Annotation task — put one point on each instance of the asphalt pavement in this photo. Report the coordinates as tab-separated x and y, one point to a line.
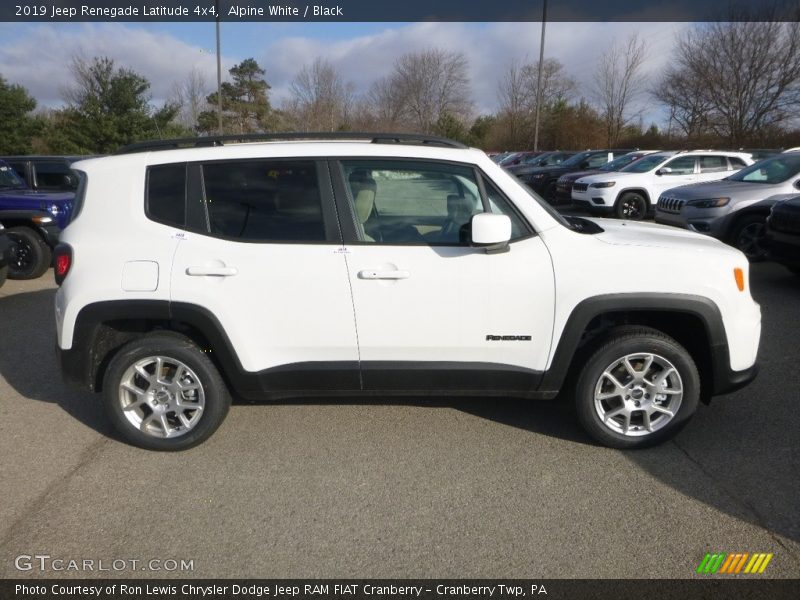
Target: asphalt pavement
401	488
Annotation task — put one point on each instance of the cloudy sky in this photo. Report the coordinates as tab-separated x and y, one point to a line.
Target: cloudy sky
37	56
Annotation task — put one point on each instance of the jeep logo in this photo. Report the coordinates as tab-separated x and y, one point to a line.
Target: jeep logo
508	338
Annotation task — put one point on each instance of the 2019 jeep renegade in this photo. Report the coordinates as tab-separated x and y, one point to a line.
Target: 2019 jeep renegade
381	265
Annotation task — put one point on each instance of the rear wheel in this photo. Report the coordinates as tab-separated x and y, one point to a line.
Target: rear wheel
162	393
30	255
638	389
749	236
632	205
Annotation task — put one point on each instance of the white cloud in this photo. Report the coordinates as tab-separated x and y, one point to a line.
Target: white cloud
40	60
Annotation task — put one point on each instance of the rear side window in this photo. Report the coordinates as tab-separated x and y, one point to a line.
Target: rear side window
166	194
52	175
264	201
713	164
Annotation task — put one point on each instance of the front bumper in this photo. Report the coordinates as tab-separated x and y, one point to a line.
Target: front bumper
713	222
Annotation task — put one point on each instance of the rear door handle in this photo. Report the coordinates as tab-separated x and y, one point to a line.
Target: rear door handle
212	271
384	274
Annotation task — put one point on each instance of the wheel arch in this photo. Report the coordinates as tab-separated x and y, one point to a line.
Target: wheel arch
693	321
639	190
102	328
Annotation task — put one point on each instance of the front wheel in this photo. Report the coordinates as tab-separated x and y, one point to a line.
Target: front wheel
749	236
162	393
638	389
632	206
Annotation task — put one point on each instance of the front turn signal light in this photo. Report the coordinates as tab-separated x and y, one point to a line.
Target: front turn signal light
738	275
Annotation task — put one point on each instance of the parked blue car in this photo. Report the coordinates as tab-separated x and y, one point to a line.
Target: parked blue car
32	222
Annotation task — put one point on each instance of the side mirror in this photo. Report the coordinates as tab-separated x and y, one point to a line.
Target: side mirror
797	184
664	171
491	231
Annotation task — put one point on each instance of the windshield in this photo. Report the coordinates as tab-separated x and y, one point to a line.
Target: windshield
618	163
9	180
645	164
510	158
770	170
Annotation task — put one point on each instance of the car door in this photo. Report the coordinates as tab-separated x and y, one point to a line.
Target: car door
433	312
264	257
682	171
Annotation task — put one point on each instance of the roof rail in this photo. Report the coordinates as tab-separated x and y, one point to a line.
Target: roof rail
221	140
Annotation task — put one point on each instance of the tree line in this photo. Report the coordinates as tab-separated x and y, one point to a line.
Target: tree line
732	83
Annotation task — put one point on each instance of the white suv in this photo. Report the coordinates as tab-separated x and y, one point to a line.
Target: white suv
632	192
382	265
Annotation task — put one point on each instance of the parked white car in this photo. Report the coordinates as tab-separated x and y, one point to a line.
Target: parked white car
388	265
632	192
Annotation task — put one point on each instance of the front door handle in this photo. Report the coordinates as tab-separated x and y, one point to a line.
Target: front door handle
383	274
212	271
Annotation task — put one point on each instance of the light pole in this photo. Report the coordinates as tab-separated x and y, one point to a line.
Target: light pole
539	81
219	73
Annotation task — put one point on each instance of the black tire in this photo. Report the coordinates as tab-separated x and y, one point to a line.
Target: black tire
632	206
176	347
621	343
3	275
749	235
30	254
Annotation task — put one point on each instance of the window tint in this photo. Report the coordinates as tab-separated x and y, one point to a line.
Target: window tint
598	160
9	179
55	176
713	164
770	170
682	165
19	168
166	194
737	163
264	200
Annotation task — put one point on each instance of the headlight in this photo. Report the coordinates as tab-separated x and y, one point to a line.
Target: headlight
709	203
603	184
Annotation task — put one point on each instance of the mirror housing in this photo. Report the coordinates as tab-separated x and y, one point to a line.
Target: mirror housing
797	184
664	171
491	231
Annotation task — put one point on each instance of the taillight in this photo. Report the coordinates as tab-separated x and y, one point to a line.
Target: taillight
63	262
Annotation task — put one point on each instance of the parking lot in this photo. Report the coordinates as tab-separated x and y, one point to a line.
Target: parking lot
401	488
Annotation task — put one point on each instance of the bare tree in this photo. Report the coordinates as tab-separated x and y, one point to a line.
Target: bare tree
320	98
618	81
745	76
430	85
678	90
190	94
517	97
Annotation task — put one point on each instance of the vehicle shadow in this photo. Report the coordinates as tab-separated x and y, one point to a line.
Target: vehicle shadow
28	361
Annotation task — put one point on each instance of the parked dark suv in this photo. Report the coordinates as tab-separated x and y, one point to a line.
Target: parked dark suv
46	173
783	234
32	221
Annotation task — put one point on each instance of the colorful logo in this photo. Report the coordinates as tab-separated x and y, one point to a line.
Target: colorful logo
734	564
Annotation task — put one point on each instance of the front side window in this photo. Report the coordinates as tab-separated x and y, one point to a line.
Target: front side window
9	180
416	202
646	164
264	200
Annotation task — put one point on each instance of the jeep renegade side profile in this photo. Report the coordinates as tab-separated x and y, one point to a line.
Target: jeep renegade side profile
381	265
